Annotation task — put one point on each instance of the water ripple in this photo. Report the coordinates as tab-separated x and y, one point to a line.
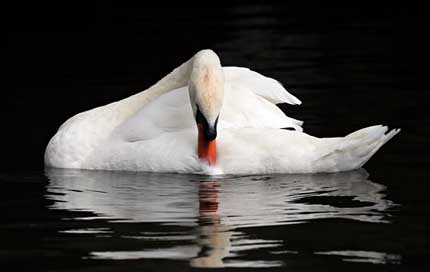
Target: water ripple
214	212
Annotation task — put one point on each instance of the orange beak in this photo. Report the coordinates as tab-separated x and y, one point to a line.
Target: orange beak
206	149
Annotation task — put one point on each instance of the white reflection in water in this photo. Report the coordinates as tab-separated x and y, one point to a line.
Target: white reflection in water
215	207
364	256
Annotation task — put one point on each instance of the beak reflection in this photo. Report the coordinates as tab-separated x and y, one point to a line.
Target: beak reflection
214	237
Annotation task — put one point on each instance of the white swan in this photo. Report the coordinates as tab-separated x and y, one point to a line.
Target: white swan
238	129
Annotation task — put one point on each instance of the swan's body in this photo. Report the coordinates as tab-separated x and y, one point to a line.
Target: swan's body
155	130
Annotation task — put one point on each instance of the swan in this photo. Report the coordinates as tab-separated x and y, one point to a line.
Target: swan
206	119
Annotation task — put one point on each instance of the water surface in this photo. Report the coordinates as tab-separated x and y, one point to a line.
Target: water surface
351	66
92	219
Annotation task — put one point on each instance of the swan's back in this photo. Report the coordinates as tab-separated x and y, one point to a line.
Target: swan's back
152	113
155	131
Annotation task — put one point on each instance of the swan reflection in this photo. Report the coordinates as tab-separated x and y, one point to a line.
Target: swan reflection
214	209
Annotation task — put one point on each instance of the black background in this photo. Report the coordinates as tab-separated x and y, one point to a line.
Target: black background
352	66
63	58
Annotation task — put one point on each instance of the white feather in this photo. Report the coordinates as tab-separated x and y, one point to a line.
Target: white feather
263	86
155	130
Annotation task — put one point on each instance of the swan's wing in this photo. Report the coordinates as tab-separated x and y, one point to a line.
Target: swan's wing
242	108
245	105
263	86
169	112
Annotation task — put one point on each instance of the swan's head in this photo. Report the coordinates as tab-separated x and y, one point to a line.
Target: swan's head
206	87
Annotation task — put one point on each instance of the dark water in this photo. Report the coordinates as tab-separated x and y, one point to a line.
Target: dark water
351	66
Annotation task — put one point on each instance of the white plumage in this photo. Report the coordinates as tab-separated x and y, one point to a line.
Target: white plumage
155	130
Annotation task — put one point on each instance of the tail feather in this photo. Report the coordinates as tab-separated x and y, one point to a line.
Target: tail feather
378	142
354	150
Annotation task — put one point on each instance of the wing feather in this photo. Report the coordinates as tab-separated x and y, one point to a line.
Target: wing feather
263	86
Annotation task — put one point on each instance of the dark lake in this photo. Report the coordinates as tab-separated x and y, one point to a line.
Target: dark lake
352	67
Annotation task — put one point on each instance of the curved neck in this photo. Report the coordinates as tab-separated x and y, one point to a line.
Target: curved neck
116	113
178	78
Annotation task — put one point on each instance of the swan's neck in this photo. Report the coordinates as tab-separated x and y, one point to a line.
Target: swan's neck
111	116
178	78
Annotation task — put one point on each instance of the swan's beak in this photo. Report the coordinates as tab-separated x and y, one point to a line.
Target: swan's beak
206	138
207	145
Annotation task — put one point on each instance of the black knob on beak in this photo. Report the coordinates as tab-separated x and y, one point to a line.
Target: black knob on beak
209	130
210	133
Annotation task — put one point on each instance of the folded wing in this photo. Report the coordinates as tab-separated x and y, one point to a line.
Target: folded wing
263	86
249	101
